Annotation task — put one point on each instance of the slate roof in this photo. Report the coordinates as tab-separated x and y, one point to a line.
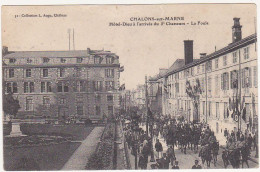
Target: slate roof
52	54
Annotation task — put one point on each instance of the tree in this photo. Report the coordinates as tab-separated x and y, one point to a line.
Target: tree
194	93
10	105
47	111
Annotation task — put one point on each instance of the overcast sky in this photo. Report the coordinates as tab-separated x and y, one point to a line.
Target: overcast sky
142	50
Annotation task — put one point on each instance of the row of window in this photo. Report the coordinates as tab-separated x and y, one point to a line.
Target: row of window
97	60
80	86
208	65
79	108
228	80
109	73
226	112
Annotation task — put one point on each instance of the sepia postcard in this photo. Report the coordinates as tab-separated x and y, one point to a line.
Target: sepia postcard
121	87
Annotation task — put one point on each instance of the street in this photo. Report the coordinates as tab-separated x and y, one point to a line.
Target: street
186	161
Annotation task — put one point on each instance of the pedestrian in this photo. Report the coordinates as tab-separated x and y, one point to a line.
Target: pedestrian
256	143
165	161
146	151
142	162
171	154
249	141
158	147
225	132
196	165
176	166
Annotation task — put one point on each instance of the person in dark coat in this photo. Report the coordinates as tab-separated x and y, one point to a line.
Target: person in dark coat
176	166
165	161
158	147
250	141
196	165
146	152
171	154
225	132
142	162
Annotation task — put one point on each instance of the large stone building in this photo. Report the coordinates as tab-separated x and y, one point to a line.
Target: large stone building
78	83
227	78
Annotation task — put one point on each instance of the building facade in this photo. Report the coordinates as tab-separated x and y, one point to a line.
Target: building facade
61	84
138	96
155	91
227	79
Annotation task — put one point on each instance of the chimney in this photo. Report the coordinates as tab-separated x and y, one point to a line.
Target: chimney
188	51
202	55
4	50
88	50
236	30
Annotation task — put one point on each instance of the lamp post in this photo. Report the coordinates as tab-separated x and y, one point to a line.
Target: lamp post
149	115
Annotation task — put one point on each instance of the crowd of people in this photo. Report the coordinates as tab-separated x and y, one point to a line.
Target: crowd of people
176	134
181	135
239	143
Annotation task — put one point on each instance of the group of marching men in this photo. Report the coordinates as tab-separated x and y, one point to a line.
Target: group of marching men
184	136
176	134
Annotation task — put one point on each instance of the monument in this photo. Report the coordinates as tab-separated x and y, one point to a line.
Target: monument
16	130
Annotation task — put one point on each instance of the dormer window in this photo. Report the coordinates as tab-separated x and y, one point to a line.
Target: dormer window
29	60
12	60
62	60
45	60
97	59
79	60
109	60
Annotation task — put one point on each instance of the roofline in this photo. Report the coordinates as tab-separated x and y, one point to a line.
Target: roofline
92	52
59	65
230	47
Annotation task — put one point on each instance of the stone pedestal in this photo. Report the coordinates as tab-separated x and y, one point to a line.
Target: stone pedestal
16	131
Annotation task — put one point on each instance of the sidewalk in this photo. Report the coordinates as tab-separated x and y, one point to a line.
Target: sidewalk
80	157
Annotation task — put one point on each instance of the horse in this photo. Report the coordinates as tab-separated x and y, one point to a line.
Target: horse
232	157
205	155
214	150
245	153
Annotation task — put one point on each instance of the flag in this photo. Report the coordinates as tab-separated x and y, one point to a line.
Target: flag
230	104
243	103
253	105
250	121
122	87
121	69
233	104
227	113
244	114
165	88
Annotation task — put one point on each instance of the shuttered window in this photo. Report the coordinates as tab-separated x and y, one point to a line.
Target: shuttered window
255	76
